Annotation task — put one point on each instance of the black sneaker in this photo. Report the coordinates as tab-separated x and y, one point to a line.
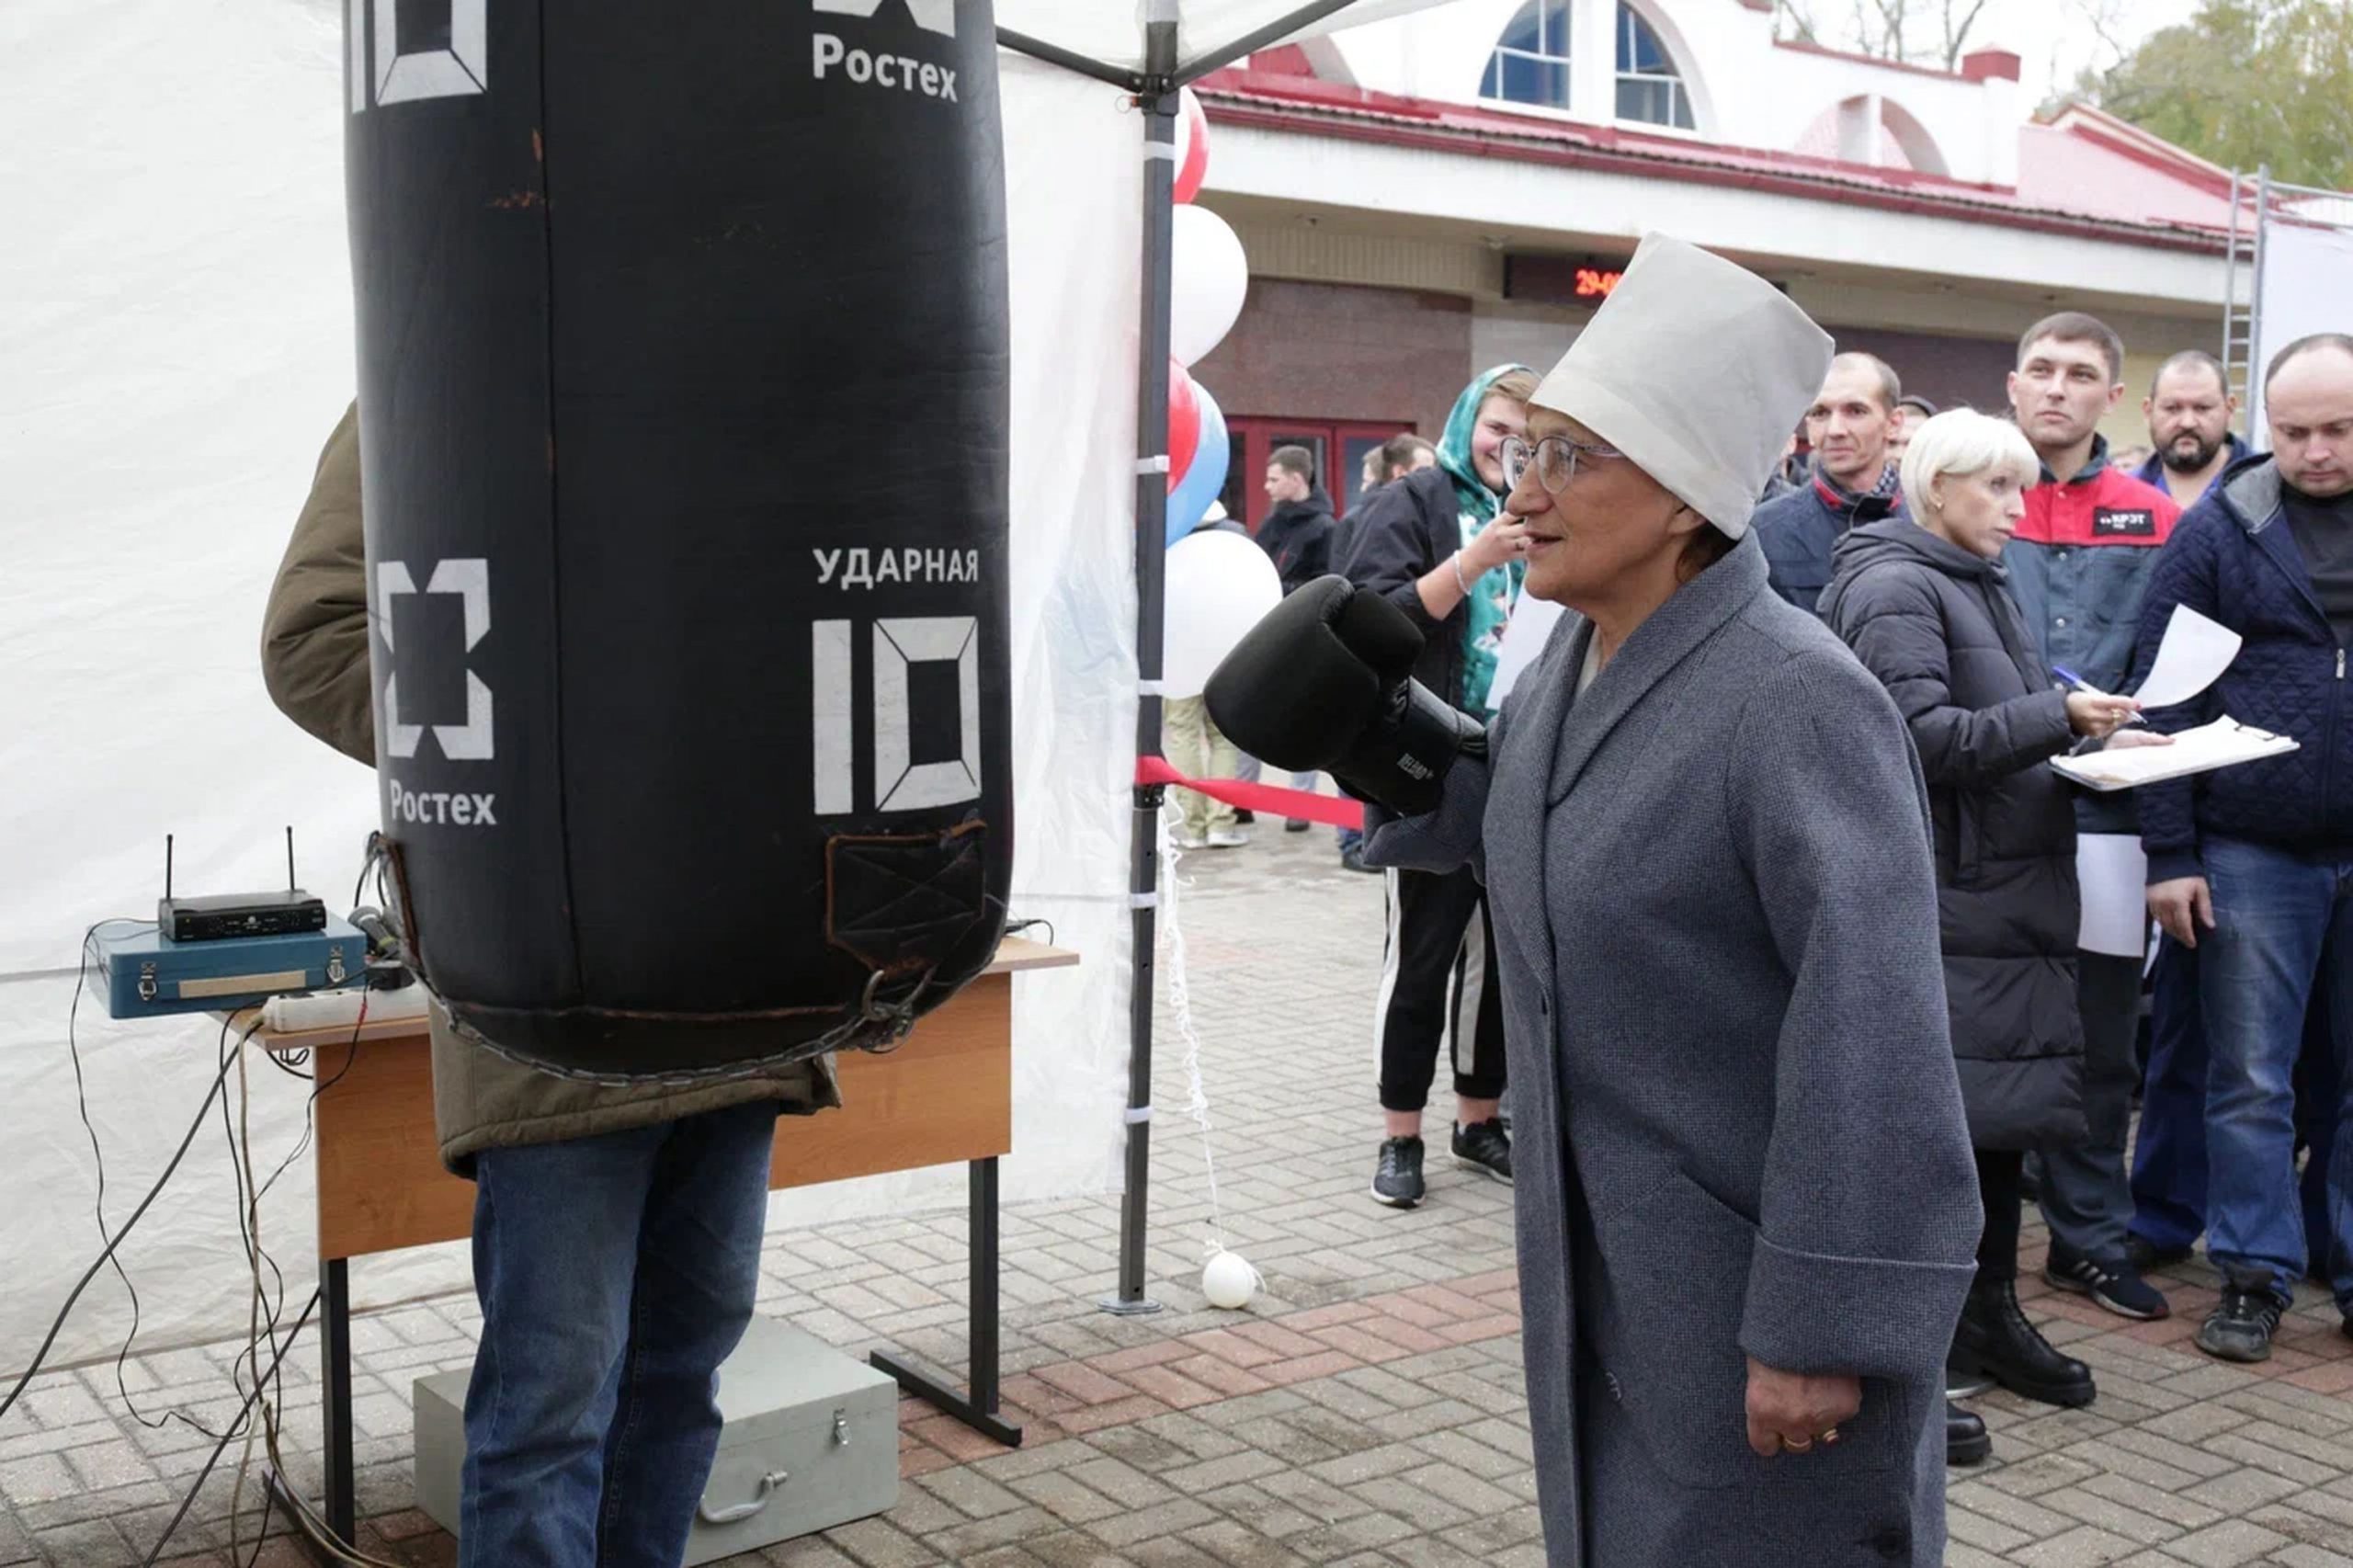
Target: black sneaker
1398	1180
2145	1255
1484	1146
1353	860
2115	1286
2241	1328
1244	816
1297	824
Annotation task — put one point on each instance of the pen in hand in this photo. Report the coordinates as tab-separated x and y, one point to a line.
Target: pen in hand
2077	683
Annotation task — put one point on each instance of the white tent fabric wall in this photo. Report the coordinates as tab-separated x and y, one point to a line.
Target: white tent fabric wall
2305	261
178	342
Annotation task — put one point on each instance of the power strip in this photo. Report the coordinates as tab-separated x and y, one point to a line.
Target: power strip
340	1009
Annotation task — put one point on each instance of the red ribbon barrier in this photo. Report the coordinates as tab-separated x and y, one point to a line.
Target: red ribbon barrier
1272	799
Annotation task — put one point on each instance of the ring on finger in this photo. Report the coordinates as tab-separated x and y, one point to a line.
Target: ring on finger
1829	1437
1798	1445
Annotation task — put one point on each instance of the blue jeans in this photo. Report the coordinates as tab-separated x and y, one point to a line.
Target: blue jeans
615	1274
2276	918
2169	1158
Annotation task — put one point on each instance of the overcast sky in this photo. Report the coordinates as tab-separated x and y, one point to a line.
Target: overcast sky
2044	31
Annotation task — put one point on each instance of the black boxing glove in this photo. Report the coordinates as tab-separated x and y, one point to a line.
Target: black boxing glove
1326	681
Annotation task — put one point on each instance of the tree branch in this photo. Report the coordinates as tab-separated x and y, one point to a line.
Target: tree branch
1957	38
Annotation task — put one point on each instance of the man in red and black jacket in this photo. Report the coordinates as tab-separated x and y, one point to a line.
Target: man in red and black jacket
2079	565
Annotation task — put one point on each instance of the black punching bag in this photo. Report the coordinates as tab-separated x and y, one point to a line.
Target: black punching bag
683	423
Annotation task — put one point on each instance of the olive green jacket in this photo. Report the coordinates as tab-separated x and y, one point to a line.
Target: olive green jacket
315	660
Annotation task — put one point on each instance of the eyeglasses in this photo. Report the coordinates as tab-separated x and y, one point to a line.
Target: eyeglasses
1554	459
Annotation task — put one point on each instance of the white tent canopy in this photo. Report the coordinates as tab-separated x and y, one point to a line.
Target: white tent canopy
179	342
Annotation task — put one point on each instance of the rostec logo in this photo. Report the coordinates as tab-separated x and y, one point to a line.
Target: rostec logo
470	580
872	68
451	61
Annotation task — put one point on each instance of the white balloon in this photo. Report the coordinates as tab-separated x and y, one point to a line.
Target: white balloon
1219	584
1208	278
1229	1282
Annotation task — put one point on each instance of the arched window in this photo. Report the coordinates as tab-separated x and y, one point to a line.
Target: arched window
1530	64
1649	87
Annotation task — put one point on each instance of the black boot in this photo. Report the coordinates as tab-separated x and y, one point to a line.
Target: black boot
1995	1340
1966	1441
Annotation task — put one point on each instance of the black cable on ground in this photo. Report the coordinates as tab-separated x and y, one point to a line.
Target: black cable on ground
145	1203
222	1447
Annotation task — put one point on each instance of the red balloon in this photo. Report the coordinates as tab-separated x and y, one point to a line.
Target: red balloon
1192	147
1184	424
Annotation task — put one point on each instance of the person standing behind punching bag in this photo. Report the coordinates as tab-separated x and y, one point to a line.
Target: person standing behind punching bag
1438	545
617	1229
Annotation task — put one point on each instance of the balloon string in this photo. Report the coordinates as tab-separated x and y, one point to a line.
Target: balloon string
1180	1005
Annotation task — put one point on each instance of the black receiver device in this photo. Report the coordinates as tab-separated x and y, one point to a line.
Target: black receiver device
225	915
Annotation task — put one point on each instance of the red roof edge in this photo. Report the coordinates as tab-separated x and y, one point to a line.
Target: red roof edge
2128	140
1227	98
1316	91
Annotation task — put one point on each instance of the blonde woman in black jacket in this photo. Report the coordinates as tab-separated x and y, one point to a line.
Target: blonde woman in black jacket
1925	603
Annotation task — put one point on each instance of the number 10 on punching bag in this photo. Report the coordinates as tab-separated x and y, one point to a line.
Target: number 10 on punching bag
683	406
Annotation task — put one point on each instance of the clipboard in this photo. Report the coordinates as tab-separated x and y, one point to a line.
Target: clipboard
2225	743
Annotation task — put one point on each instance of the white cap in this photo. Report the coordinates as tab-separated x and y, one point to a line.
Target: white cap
1697	370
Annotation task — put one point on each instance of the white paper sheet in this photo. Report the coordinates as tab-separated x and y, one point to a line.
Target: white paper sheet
2193	657
1532	620
2114	874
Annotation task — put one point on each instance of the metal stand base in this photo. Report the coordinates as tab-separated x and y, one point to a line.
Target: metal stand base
1119	1307
936	1389
977	1409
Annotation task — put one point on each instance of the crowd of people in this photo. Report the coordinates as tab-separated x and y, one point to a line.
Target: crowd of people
2003	577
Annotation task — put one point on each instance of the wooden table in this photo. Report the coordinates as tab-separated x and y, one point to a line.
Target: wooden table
944	1096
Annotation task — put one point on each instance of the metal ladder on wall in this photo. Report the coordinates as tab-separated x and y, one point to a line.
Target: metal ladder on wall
2242	294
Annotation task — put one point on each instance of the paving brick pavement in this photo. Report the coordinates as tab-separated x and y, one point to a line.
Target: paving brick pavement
1369	1411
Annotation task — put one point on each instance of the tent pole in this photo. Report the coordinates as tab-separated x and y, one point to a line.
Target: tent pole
1068	59
1251	42
1158	102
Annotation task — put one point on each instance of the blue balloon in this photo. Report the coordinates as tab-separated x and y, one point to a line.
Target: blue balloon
1201	482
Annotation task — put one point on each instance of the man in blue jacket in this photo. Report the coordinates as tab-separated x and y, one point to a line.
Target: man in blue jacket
2190	409
1848	428
2253	865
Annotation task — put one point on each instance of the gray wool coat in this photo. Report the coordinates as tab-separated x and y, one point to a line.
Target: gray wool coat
1737	1128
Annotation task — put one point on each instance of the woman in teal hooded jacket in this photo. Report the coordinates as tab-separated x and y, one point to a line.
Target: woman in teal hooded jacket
1438	545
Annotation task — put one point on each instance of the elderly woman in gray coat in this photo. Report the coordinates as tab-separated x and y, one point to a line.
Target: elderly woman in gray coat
1926	606
1744	1199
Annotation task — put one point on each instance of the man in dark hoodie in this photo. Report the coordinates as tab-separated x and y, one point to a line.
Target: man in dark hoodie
2252	866
1298	535
1298	532
1847	429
